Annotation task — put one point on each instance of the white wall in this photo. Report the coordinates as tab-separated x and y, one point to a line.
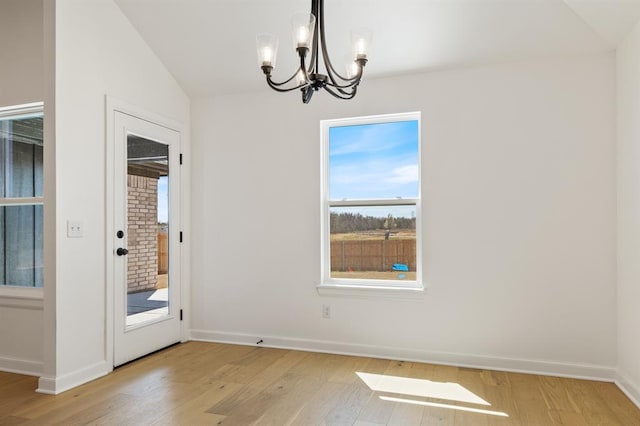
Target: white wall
98	53
519	220
21	44
628	56
21	81
21	335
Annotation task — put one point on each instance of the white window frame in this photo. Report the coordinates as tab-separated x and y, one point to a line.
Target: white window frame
337	286
20	112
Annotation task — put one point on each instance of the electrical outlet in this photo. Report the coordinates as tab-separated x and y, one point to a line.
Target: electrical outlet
74	229
326	311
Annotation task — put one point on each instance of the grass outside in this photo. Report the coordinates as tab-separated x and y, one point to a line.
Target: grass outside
375	275
378	234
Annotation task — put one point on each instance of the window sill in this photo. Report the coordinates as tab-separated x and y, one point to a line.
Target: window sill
21	297
401	293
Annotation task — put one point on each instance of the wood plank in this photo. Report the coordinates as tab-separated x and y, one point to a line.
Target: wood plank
406	414
293	394
345	372
621	406
194	410
12	420
555	394
318	407
529	401
350	403
259	382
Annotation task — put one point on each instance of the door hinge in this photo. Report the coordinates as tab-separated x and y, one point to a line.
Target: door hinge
180	159
180	236
180	314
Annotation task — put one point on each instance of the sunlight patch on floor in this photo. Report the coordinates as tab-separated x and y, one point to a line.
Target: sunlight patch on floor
420	387
448	406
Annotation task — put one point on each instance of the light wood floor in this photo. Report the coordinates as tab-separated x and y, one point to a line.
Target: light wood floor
208	384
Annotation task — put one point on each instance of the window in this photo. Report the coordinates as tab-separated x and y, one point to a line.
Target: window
371	202
21	198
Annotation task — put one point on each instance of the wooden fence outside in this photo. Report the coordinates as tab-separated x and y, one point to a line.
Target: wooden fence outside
372	255
354	255
163	252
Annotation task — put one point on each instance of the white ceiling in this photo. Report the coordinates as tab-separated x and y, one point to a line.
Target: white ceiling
209	45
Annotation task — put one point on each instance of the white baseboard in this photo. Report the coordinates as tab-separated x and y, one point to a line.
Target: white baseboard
56	385
560	369
628	387
20	366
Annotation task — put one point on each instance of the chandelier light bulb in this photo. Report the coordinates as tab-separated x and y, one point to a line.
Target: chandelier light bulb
352	69
302	26
267	56
361	42
303	37
361	49
267	46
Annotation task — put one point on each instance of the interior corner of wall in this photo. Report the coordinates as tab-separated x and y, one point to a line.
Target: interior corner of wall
628	386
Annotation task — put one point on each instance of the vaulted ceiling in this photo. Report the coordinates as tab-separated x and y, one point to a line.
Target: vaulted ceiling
209	45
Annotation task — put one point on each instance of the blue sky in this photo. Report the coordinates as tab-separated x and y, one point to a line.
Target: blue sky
163	199
374	161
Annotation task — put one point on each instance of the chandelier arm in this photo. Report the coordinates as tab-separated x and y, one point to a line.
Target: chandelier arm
275	86
354	82
332	78
341	88
302	69
342	94
273	83
331	71
313	64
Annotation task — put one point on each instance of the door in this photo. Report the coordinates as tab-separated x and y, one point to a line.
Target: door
146	237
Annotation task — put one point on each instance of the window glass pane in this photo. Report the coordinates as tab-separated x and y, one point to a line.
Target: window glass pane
21	157
21	246
373	242
147	230
374	161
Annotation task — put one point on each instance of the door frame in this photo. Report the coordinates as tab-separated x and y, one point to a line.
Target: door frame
113	105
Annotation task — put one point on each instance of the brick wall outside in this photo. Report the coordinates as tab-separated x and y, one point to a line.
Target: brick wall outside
142	233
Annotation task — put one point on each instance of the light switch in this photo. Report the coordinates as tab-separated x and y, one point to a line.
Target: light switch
74	229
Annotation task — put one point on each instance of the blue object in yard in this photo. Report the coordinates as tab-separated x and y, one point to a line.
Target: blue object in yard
400	267
401	276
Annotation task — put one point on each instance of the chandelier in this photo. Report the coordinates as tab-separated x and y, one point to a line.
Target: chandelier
309	41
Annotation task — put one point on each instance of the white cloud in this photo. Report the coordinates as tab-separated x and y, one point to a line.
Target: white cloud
404	174
373	180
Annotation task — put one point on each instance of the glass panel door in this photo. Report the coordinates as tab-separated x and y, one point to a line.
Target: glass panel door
146	244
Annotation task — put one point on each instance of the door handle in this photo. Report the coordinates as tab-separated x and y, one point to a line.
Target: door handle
122	251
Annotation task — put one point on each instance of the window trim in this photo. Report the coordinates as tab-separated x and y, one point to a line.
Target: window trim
21	294
22	111
366	287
